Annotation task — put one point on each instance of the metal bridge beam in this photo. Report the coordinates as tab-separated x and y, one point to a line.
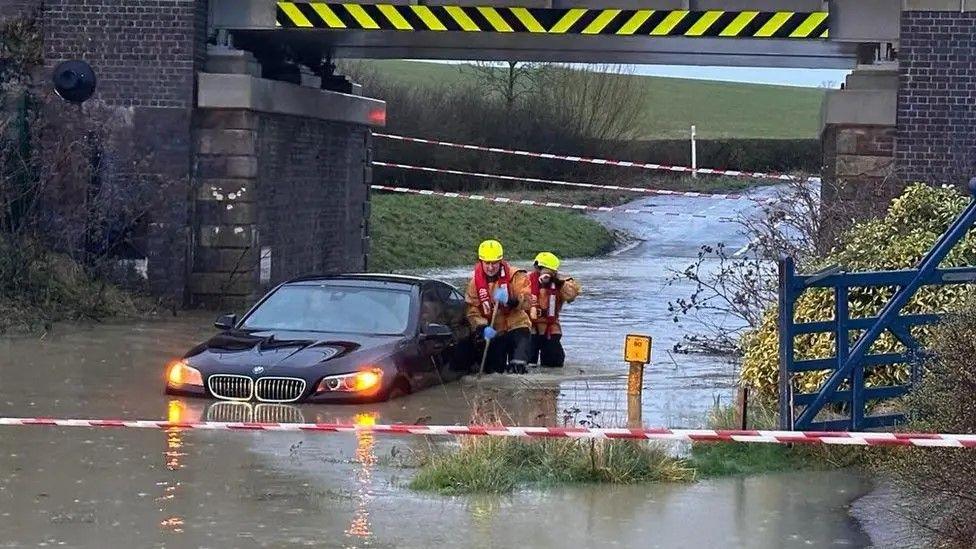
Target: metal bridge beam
253	26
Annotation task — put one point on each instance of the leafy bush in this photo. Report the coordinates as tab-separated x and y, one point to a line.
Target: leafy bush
897	241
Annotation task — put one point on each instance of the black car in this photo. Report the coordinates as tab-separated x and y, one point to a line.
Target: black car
343	338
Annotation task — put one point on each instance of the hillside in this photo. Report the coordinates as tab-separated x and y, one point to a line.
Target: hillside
718	109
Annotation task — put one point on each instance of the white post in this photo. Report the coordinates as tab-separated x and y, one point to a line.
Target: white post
694	154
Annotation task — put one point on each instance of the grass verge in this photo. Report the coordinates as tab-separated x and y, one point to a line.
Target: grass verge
500	465
715	459
411	232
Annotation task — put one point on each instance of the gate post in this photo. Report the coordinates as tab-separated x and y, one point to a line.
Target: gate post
787	270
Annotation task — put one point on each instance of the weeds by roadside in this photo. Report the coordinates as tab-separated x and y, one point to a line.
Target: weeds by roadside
740	458
500	465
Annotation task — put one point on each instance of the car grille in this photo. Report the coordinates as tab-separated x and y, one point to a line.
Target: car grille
243	412
279	389
231	387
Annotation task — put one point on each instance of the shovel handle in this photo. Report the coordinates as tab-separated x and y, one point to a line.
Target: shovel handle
484	355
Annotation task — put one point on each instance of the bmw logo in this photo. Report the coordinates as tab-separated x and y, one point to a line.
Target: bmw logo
258	370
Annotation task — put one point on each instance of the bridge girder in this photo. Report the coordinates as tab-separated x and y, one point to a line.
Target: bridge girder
254	25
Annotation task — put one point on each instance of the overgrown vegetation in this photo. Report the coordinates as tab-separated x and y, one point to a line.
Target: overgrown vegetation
939	482
733	305
62	218
416	232
500	464
733	288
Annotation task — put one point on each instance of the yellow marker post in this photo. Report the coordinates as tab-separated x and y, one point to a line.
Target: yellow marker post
637	352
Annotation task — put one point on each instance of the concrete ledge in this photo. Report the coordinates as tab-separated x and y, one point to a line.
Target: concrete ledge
939	5
240	91
864	79
859	107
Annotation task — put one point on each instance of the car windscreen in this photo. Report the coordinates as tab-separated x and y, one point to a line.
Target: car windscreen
333	308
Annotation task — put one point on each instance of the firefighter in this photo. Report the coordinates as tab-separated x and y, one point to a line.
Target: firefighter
497	304
549	292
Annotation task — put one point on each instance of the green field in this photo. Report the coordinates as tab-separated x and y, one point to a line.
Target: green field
718	109
411	232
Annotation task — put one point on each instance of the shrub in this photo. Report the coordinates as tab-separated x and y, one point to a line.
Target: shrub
897	241
938	481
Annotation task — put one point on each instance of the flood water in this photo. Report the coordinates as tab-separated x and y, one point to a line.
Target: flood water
75	487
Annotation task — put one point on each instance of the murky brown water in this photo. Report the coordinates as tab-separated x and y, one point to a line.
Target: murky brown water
133	488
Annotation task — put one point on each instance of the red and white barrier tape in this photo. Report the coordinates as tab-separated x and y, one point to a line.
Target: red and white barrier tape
662	192
601	161
505	200
685	435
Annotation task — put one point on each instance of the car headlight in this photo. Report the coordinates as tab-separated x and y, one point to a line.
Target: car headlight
363	381
180	373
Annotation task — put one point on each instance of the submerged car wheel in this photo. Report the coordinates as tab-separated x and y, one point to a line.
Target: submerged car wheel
400	388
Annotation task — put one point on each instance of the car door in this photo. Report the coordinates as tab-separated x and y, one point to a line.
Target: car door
433	351
458	357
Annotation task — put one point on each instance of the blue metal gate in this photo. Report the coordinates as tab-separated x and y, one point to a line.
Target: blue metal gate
845	384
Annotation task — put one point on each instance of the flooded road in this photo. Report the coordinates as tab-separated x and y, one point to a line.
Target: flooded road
629	292
132	488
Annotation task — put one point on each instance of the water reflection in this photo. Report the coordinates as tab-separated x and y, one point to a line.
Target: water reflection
246	412
173	458
366	457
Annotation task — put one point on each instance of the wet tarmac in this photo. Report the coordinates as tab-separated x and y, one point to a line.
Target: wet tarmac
131	488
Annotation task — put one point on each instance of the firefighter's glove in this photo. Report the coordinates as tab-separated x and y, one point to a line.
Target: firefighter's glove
501	295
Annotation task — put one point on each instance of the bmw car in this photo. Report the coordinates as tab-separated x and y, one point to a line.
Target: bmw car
344	338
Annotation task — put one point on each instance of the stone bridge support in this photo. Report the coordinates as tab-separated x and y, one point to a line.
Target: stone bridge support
282	181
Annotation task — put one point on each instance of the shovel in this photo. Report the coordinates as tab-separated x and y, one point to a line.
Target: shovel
484	356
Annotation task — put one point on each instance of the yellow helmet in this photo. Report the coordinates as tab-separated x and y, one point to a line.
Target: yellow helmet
491	250
547	260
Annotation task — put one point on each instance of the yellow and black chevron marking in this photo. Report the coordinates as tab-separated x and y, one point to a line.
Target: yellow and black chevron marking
728	24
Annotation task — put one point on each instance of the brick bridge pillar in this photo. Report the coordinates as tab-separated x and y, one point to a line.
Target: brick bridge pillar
913	119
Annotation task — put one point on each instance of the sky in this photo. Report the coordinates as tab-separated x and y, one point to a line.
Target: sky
810	78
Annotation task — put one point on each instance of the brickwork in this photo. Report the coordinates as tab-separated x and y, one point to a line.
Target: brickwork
17	8
311	195
143	51
289	186
937	97
145	54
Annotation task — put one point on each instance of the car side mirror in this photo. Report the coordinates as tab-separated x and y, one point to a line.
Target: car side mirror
226	322
436	331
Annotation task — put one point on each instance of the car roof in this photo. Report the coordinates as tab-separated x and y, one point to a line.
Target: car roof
366	277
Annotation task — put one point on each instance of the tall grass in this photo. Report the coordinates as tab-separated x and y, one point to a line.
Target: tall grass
500	465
